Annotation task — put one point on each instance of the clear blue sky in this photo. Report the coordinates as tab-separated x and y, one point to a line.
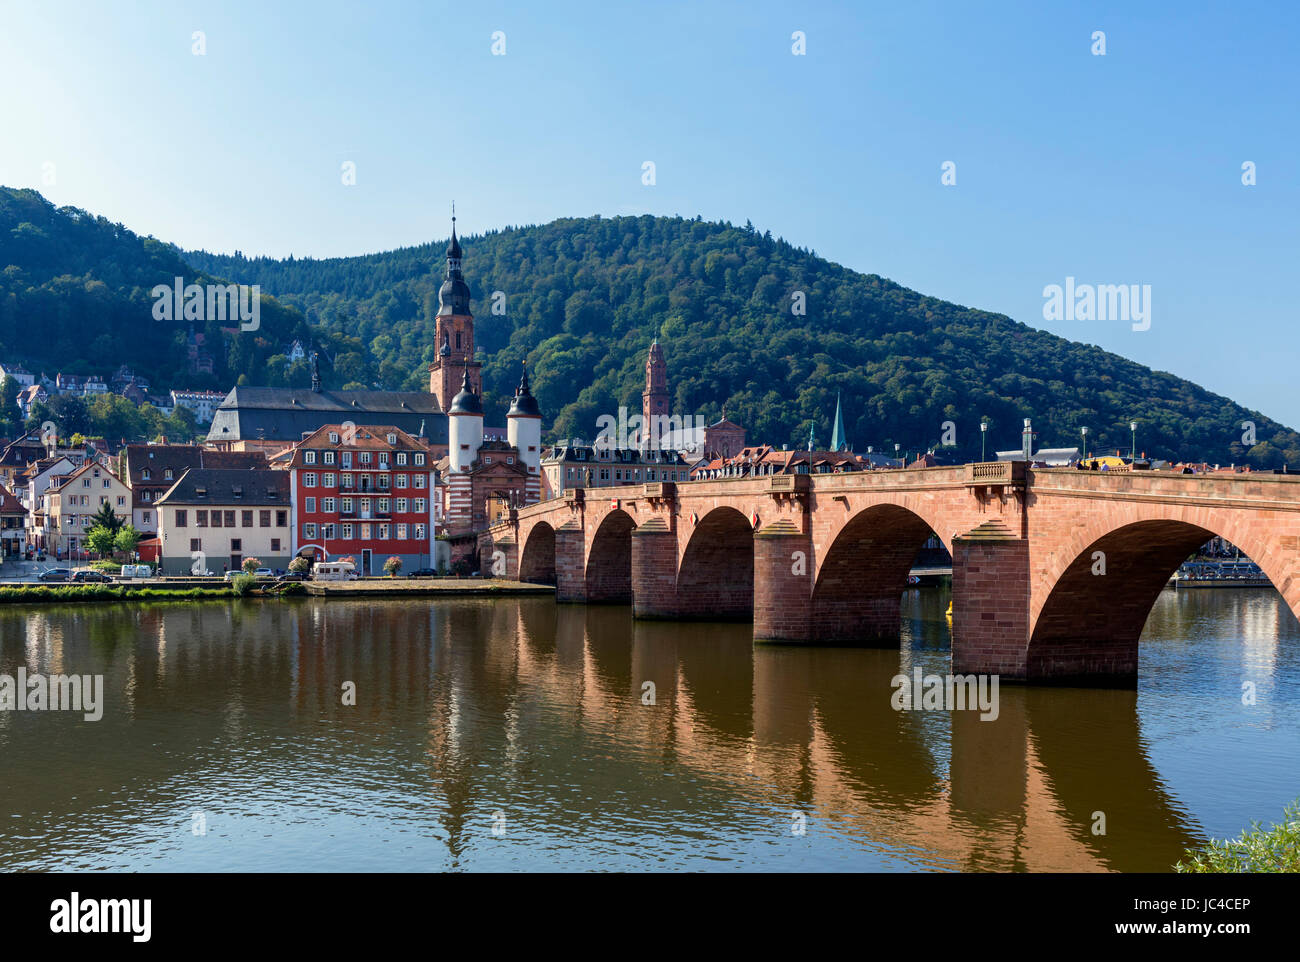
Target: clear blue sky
1124	168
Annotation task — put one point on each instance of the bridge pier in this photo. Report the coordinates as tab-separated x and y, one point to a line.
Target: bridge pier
490	566
570	564
783	561
654	570
990	603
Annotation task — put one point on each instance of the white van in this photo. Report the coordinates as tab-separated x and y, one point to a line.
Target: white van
334	571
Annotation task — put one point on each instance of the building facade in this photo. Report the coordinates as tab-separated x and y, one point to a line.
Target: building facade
212	519
364	491
72	500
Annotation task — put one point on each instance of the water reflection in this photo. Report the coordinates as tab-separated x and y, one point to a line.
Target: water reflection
530	717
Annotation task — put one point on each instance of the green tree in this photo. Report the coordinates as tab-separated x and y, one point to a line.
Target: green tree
100	540
126	540
106	518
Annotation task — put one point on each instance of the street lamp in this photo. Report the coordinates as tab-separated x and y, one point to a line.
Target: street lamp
1084	432
896	447
984	433
1133	427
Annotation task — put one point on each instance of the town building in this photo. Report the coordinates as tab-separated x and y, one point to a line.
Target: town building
151	469
212	519
34	482
30	396
72	500
13	525
202	403
762	460
17	455
573	464
24	377
365	491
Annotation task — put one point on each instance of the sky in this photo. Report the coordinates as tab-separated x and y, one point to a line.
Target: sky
228	127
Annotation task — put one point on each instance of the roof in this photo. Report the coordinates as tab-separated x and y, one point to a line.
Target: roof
254	486
365	437
180	458
286	414
9	504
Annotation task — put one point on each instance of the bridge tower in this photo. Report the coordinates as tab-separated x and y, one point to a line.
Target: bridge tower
524	432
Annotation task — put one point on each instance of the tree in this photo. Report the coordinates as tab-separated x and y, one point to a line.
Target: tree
10	416
100	540
392	566
126	540
299	566
250	565
106	518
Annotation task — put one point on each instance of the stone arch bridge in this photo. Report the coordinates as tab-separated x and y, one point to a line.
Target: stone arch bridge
1054	571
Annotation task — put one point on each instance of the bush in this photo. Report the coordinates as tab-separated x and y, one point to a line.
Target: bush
108	567
299	566
250	565
1275	849
462	568
392	566
242	584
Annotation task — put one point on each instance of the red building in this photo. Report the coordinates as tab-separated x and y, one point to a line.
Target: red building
366	491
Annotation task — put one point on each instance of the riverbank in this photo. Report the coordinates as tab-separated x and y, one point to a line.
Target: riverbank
187	590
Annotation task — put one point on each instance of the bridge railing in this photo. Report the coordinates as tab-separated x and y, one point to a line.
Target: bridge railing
995	472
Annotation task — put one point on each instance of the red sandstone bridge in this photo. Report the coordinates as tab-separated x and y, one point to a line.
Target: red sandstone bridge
1054	571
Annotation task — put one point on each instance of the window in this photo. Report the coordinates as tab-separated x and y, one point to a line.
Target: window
345	481
282	519
201	518
146	496
365	532
167	474
401	532
309	457
328	481
419	532
510	460
334	437
107	483
488	459
230	519
327	505
308	505
236	544
264	519
392	439
383	482
85	482
419	480
121	500
309	480
327	531
196	544
347	531
400	480
275	544
309	530
401	458
345	459
383	532
419	505
329	457
147	517
419	459
145	475
383	505
345	505
401	505
365	457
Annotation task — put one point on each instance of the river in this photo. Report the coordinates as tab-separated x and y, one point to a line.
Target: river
514	734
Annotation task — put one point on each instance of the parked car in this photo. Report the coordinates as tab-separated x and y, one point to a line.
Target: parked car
264	573
423	573
54	574
89	576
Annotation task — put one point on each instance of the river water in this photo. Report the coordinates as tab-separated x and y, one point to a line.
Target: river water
514	735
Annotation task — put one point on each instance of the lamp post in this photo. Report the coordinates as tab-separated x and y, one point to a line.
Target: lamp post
897	445
1133	428
984	433
1084	432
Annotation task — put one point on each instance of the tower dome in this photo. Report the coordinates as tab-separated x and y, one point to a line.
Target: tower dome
453	296
466	402
524	404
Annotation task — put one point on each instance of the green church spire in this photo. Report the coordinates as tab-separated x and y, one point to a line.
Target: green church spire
838	441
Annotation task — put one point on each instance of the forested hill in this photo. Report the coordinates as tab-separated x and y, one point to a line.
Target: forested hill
582	299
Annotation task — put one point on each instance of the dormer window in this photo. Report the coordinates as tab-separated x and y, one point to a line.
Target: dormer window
167	474
334	437
392	439
329	457
145	475
309	457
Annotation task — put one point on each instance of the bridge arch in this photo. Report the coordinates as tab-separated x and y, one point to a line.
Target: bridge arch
1096	590
861	575
715	577
537	559
609	560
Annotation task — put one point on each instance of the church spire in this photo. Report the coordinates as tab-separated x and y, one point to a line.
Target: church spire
838	441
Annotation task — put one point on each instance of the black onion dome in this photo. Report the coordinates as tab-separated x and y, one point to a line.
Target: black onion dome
524	404
466	402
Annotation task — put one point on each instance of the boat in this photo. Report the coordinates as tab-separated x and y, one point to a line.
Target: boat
1219	574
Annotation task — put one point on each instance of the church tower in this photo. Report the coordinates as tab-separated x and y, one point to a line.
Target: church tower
654	400
454	333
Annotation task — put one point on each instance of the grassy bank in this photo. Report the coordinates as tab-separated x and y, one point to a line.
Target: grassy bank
1275	849
62	594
